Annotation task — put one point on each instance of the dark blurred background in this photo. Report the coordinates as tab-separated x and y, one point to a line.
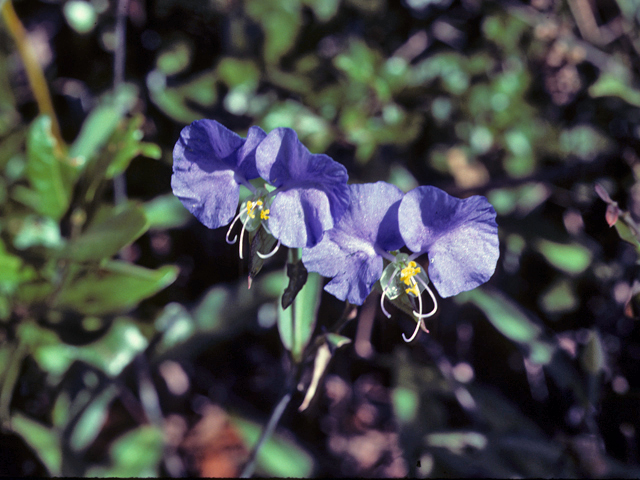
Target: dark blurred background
529	103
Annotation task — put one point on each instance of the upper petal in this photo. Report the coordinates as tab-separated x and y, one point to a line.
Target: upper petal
460	236
347	253
206	159
313	188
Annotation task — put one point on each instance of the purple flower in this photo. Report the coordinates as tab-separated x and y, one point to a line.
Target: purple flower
210	162
311	189
351	253
459	236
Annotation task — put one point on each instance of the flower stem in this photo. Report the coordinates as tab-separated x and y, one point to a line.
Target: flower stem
266	433
32	67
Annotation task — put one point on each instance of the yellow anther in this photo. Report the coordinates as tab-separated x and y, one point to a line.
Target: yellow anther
408	272
251	206
264	214
414	290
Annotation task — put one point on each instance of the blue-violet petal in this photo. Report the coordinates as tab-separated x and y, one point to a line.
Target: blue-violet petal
349	253
312	190
460	237
209	163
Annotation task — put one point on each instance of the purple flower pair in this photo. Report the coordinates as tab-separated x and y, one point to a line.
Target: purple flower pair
345	231
211	162
459	236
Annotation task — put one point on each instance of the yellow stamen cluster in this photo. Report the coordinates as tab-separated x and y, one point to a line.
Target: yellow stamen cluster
251	206
407	274
264	214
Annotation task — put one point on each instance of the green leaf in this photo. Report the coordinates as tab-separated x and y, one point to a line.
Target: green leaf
296	323
166	211
108	234
38	231
628	234
134	454
101	123
280	22
593	357
179	102
92	419
503	313
127	145
51	179
559	297
115	287
279	457
405	402
235	72
615	85
116	349
45	442
571	258
176	58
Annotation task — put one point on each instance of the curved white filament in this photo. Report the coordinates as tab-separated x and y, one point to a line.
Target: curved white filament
231	242
384	293
433	297
270	254
244	227
415	333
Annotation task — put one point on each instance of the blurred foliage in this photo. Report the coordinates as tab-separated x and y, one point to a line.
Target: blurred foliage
124	322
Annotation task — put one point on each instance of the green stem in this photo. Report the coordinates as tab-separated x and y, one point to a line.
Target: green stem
266	433
32	67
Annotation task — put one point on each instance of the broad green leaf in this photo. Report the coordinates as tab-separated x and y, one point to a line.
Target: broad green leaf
108	234
279	456
166	211
503	313
92	419
571	258
51	178
135	454
44	441
296	323
117	286
102	121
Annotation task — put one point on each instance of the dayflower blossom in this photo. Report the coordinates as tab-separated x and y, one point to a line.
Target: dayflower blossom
460	238
311	189
304	194
351	253
210	162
